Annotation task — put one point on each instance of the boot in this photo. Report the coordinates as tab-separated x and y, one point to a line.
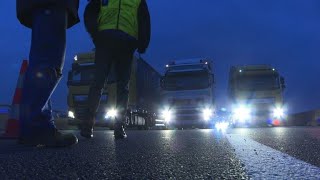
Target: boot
86	126
119	132
50	138
86	132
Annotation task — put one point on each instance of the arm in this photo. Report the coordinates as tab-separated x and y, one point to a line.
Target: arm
144	27
91	15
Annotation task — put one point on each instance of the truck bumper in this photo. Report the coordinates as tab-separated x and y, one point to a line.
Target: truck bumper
195	121
260	121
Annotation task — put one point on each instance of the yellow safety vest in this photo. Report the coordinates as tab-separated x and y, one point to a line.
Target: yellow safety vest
120	15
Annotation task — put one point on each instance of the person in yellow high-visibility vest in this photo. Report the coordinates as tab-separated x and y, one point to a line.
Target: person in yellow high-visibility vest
122	26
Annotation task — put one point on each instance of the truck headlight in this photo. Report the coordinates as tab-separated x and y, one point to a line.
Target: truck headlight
242	113
207	114
166	115
71	114
111	113
278	112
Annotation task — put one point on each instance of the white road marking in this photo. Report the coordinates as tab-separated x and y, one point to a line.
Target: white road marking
263	162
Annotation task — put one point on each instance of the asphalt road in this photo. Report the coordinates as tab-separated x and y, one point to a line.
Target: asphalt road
300	142
177	154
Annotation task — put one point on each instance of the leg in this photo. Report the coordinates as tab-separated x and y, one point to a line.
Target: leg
123	64
43	74
102	68
123	71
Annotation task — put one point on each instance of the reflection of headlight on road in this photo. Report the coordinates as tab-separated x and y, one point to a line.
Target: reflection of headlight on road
221	126
166	115
71	114
207	114
242	113
278	112
112	113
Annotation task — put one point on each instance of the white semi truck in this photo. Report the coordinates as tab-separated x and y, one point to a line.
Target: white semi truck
187	93
256	96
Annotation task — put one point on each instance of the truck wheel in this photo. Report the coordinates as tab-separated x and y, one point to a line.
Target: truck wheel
146	124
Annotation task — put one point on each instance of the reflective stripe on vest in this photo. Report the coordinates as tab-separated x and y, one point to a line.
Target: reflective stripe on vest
121	15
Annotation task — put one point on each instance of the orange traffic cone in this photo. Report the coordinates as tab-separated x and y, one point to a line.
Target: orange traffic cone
12	128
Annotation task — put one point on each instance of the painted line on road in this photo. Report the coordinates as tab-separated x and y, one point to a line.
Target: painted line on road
263	162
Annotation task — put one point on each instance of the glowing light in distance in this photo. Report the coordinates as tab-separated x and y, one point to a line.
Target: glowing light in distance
242	113
207	113
167	115
112	113
71	115
278	112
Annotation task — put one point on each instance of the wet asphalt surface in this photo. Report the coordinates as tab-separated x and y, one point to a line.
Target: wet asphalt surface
154	154
302	143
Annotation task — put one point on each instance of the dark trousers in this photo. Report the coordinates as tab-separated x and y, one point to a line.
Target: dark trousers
112	48
47	55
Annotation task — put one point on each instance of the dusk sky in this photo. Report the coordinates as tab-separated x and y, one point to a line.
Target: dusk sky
285	34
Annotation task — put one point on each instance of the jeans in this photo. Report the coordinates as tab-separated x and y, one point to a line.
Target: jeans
46	59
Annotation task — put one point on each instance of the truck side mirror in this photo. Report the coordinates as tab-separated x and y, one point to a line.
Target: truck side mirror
69	75
69	78
282	82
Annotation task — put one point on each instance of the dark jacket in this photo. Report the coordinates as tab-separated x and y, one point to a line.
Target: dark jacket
144	32
144	27
25	9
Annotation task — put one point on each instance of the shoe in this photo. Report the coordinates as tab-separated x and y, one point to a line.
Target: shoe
86	132
50	138
86	125
119	132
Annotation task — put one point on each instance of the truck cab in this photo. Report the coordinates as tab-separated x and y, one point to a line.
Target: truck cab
187	91
256	95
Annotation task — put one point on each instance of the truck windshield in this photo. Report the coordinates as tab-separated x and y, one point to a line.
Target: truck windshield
259	82
83	75
186	80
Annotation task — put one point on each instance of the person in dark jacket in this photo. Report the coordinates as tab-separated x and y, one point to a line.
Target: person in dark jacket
122	27
48	20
